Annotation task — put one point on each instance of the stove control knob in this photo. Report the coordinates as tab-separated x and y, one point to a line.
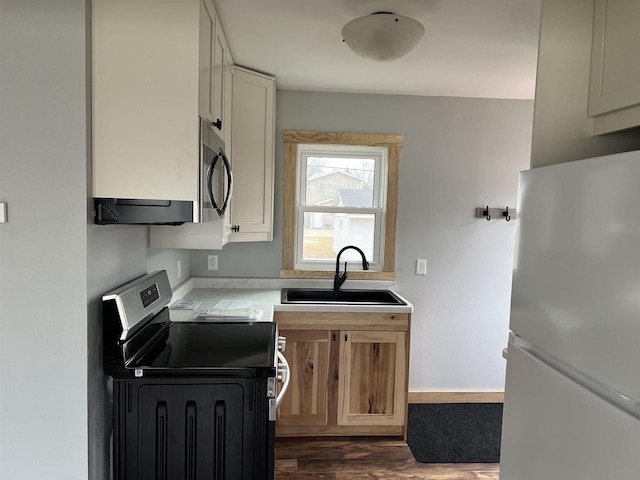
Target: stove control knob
282	344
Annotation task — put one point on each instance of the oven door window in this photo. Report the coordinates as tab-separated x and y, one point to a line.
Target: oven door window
217	181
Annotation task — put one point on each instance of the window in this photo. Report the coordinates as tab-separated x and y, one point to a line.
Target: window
340	201
340	189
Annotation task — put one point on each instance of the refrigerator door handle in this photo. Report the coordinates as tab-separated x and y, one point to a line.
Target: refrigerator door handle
605	392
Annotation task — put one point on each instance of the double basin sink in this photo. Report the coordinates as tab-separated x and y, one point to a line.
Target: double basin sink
333	297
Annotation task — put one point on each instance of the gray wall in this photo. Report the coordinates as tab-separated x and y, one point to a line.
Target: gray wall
458	154
561	129
116	254
43	248
55	407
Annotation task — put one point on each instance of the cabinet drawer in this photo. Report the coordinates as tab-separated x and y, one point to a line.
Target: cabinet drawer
342	321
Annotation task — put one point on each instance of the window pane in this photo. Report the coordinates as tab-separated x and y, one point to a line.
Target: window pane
346	182
326	233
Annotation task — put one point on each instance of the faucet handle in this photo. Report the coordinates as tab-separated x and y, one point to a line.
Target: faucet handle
338	280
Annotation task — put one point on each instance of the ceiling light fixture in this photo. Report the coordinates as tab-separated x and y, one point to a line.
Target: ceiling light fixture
382	36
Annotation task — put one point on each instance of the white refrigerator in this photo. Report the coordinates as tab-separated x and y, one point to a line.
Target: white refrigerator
572	388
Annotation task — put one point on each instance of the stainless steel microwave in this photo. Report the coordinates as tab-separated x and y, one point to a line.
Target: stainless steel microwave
215	186
216	178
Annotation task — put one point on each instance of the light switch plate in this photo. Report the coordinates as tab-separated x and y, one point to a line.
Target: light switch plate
3	212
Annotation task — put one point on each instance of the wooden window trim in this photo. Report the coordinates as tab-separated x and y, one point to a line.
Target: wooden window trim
292	138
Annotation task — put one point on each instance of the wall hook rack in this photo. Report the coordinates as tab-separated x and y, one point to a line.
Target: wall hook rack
496	213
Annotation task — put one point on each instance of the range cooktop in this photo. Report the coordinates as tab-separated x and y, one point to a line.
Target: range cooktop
140	339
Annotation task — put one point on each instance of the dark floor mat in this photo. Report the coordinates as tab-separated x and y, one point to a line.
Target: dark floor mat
455	432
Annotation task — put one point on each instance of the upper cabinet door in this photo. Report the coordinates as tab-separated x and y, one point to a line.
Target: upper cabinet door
145	98
206	74
253	155
614	93
227	102
219	58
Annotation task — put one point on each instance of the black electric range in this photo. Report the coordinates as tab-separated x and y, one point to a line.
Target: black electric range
191	399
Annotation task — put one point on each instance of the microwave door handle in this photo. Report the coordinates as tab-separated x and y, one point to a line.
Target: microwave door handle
212	198
227	167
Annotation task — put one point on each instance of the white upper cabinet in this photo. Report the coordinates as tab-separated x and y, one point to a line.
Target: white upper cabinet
244	103
215	105
227	101
253	144
156	67
206	52
250	103
152	75
614	94
219	61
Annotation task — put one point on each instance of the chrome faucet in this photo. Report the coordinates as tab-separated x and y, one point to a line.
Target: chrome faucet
338	279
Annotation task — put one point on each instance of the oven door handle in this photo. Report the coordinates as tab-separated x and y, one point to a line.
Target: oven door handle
282	363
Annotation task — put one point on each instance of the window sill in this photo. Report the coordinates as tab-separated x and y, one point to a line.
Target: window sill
356	274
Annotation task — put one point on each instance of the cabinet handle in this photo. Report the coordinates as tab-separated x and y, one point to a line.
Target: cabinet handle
218	124
345	338
334	337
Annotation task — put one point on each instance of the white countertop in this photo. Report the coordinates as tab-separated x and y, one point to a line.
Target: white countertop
261	299
267	298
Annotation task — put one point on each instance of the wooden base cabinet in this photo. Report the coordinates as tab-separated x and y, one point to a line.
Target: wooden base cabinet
345	381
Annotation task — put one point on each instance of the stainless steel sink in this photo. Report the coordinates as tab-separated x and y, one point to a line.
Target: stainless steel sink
328	296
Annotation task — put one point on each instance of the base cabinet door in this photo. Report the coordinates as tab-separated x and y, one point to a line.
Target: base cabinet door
307	402
372	378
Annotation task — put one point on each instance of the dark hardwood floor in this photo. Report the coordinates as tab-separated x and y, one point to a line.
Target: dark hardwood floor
366	459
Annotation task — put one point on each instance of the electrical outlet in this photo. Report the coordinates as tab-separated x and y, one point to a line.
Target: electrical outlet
179	265
212	262
421	266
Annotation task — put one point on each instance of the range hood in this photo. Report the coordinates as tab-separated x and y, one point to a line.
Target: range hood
124	211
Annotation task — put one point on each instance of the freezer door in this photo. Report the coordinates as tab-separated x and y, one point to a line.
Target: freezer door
555	429
576	284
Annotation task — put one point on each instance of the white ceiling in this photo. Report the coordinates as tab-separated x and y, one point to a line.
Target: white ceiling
471	48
